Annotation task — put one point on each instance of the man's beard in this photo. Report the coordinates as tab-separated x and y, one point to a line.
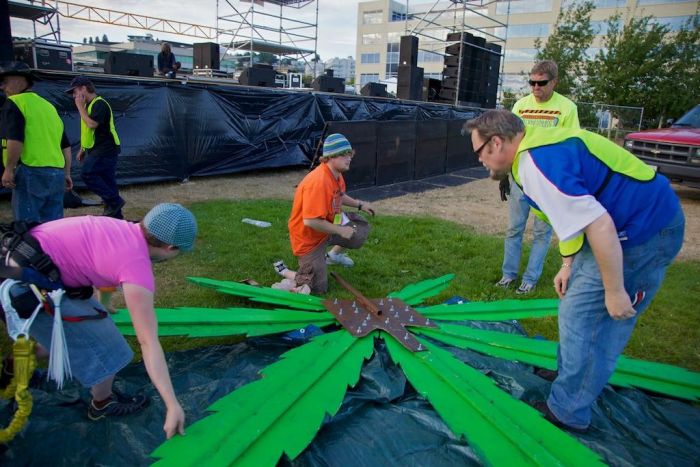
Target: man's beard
498	175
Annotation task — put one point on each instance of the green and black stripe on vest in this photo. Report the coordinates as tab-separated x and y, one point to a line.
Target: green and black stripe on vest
87	134
43	130
614	156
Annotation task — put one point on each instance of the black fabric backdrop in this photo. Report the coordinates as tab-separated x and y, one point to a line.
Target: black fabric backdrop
176	131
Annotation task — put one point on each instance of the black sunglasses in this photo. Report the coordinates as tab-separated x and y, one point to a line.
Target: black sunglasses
541	83
477	151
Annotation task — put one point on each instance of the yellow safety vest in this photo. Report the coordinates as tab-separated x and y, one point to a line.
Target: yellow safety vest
43	130
87	134
615	157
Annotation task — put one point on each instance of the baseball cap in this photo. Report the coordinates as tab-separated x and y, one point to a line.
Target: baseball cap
335	145
78	81
172	224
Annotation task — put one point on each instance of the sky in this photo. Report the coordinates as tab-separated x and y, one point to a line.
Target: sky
337	20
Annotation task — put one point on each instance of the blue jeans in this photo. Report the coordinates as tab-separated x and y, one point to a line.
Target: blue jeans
38	194
518	210
590	341
99	174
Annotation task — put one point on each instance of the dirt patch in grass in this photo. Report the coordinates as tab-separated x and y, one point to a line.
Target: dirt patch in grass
475	204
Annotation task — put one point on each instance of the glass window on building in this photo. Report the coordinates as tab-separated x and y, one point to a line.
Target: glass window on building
658	2
598	3
371	38
393	37
369	58
674	23
392	59
432	75
368	78
523	30
601	27
520	55
372	17
429	57
523	6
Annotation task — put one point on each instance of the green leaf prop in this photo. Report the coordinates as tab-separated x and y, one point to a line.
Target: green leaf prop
214	322
501	310
657	377
414	294
280	413
262	294
502	430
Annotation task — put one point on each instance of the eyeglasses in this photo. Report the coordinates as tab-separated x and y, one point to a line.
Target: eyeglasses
541	83
481	148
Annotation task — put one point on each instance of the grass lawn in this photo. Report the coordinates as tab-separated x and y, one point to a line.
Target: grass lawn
400	251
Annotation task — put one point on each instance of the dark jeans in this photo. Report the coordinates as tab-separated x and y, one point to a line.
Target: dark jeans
38	194
99	174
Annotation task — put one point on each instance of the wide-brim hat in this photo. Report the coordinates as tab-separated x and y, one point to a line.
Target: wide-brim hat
15	68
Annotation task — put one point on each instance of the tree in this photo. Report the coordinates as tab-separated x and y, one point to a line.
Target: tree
567	46
97	39
509	99
644	64
90	41
104	38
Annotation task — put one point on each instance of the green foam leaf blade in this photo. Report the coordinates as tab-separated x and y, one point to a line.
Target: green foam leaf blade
279	413
262	294
500	310
502	430
214	322
657	377
414	294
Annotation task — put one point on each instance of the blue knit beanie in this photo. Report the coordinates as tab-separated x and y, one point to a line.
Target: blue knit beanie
172	224
335	145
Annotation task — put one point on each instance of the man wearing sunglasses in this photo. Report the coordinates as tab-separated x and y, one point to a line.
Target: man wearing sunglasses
619	227
542	108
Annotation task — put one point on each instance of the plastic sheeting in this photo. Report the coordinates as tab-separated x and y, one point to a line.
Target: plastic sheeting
176	131
382	421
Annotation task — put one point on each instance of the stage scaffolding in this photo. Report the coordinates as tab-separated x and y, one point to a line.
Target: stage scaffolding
431	22
279	27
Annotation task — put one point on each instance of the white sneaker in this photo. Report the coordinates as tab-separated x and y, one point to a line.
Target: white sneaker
339	258
280	267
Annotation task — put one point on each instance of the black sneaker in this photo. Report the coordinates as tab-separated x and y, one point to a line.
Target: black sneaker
118	405
543	408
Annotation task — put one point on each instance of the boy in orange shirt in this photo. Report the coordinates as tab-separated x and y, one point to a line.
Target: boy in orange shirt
317	219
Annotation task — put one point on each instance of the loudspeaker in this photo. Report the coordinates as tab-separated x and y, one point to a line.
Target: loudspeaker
374	90
43	56
206	55
494	65
431	89
408	51
363	138
122	63
410	83
257	76
325	83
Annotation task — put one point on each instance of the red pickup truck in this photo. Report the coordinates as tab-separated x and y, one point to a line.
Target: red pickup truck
674	151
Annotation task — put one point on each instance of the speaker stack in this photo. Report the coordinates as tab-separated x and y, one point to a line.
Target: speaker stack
327	83
206	55
258	75
122	63
470	74
410	79
374	90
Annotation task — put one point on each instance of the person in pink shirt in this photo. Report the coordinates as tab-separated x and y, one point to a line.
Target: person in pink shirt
105	252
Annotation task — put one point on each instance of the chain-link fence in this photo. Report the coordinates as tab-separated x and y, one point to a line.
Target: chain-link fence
612	121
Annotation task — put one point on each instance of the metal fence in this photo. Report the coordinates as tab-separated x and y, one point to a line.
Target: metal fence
612	121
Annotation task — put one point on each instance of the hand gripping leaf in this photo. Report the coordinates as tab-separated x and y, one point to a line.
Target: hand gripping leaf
280	413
